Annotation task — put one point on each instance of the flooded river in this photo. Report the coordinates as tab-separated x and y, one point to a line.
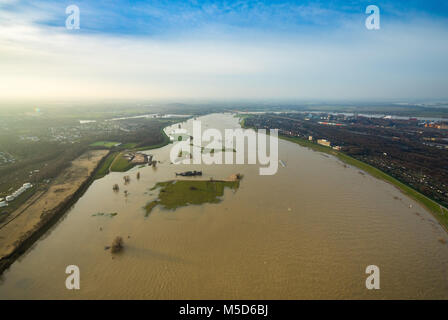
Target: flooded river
308	231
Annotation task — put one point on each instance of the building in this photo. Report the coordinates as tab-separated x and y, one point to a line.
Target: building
337	148
139	158
19	191
437	125
324	142
310	138
331	123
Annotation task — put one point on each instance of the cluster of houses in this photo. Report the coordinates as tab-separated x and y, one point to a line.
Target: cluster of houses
17	193
437	125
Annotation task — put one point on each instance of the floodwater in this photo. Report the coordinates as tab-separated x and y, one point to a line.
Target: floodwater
307	232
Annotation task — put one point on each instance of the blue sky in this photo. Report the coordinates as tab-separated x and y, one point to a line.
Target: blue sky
180	16
221	49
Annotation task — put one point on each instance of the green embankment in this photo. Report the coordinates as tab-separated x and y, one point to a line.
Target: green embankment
243	118
436	209
180	193
105	144
104	169
129	145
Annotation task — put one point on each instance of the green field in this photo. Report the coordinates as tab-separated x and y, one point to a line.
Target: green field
166	140
180	193
129	145
116	162
120	164
105	144
436	209
104	169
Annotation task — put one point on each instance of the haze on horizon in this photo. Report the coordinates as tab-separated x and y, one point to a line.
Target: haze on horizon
223	50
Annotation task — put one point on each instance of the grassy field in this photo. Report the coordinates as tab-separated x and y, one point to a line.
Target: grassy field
117	163
180	193
105	144
104	169
166	140
120	164
436	209
150	206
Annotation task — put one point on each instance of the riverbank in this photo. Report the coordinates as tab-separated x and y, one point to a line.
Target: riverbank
115	161
438	211
39	213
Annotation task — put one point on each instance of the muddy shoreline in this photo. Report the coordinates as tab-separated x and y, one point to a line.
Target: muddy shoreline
48	220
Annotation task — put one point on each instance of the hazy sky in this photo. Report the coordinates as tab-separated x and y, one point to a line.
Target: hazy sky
223	49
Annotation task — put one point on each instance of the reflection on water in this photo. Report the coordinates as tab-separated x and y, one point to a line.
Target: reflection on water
307	232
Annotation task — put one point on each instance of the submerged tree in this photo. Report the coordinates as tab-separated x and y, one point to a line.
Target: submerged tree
117	245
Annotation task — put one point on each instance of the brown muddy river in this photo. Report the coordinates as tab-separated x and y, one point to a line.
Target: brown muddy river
308	231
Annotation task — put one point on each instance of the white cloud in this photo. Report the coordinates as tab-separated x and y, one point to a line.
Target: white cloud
400	61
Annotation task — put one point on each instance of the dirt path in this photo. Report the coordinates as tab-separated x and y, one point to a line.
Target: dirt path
40	208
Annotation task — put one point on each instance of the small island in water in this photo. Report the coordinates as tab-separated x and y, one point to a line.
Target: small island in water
180	193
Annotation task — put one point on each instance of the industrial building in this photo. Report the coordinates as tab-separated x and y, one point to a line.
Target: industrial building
324	142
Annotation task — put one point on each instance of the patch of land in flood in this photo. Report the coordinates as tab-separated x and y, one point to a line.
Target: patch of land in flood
24	225
180	193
